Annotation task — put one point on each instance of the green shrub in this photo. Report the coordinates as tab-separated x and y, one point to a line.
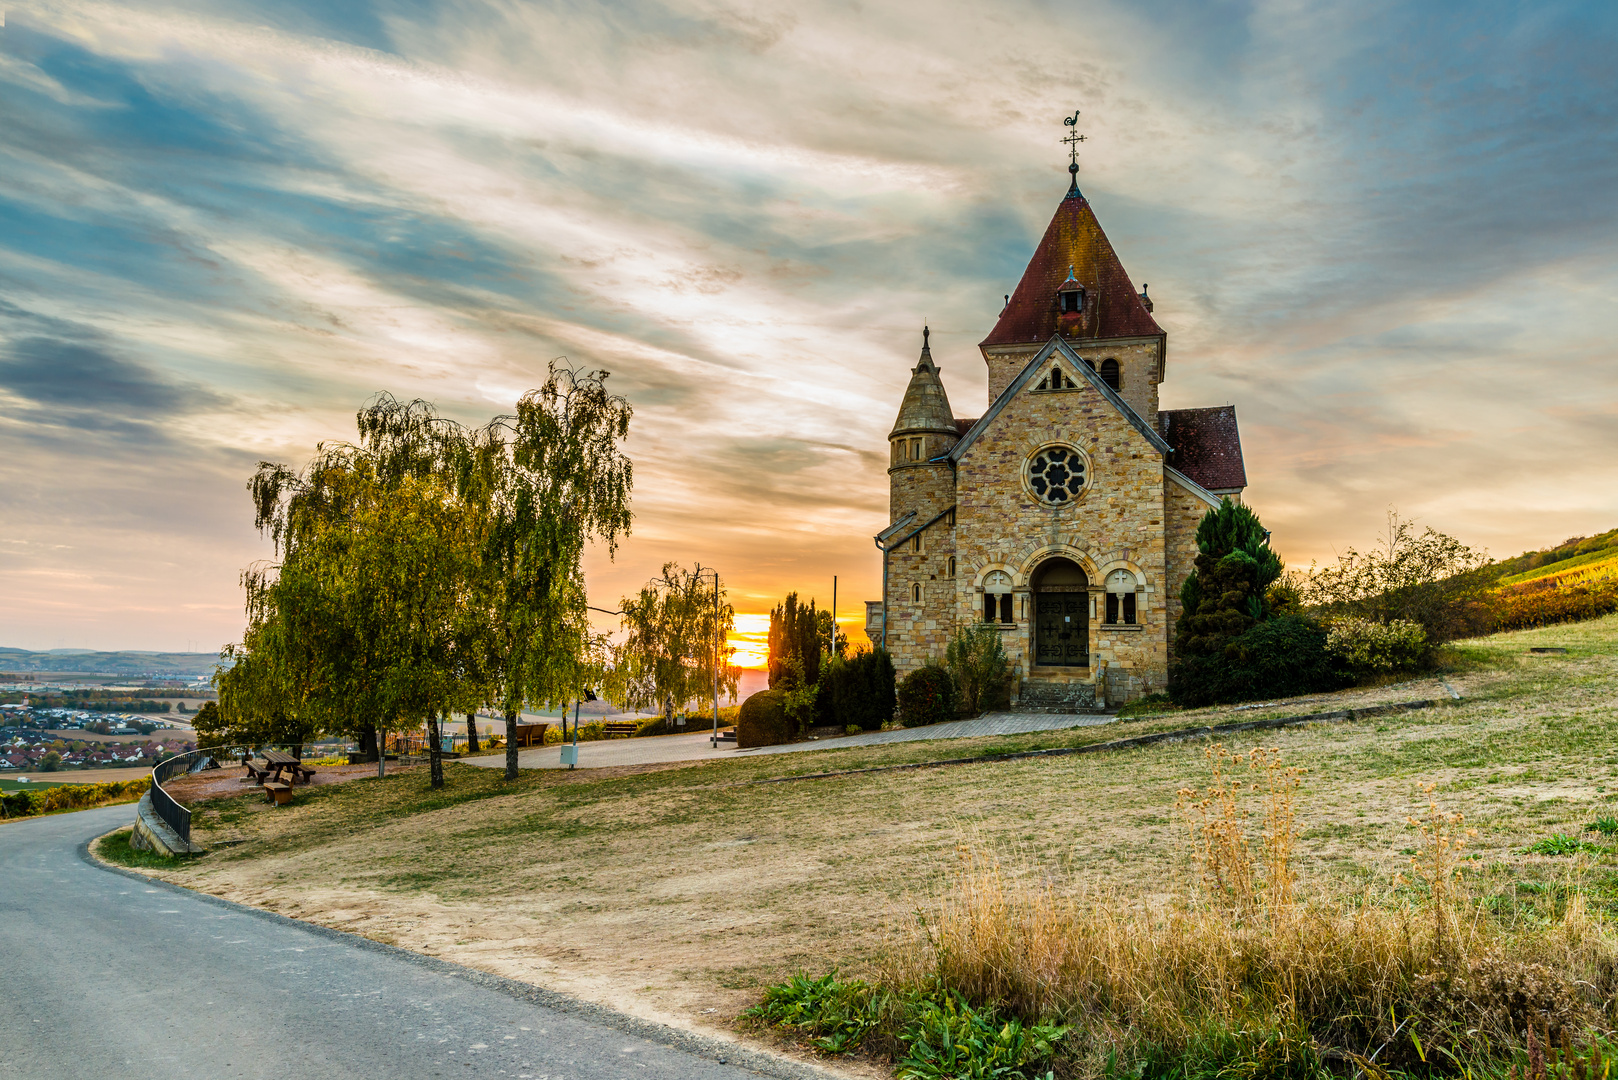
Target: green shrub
1432	579
947	1039
840	1014
1280	657
926	696
1606	826
860	688
1226	593
763	720
977	662
1372	648
939	1035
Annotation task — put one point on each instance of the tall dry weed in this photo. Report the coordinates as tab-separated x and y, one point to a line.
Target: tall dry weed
1379	976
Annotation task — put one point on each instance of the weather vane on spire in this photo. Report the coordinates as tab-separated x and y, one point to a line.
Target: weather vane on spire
1073	140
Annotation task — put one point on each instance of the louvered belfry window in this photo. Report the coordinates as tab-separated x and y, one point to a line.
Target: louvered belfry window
1111	375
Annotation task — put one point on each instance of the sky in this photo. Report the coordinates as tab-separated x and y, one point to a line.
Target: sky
1383	231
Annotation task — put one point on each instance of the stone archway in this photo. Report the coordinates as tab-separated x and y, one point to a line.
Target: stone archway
1061	594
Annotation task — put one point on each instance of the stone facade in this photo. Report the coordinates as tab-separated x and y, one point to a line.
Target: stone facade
1083	582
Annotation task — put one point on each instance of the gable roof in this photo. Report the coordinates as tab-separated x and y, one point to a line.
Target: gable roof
1055	346
1207	445
1073	242
1192	486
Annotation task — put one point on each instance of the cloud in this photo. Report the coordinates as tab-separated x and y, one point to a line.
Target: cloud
71	375
1383	232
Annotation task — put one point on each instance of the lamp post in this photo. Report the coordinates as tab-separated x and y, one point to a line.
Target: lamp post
717	650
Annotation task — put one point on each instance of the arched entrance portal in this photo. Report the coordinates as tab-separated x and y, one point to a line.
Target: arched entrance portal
1061	615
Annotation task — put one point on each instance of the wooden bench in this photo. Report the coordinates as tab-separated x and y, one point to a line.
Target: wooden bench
531	735
620	727
255	775
277	792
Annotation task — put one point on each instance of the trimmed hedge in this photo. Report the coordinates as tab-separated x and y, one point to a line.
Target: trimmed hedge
926	696
763	721
1280	657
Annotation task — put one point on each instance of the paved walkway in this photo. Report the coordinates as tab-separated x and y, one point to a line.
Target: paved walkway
112	976
659	750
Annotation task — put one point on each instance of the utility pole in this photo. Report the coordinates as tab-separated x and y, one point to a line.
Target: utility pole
718	651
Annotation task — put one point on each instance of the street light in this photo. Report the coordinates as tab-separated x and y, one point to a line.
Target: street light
717	648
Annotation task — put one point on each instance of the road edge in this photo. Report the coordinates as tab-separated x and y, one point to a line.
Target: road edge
707	1046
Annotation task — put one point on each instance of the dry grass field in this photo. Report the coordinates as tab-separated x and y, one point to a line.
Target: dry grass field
677	892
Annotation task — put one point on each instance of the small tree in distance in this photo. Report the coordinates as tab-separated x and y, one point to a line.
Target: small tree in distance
675	637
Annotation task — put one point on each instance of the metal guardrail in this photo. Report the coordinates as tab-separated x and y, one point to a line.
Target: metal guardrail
168	808
178	817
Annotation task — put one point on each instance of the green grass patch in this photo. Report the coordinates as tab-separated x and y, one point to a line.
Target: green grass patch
115	848
8	784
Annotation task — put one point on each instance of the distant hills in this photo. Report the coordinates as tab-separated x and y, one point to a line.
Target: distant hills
86	662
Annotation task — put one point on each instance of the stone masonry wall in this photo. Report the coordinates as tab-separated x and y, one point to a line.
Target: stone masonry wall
918	631
1182	511
1118	523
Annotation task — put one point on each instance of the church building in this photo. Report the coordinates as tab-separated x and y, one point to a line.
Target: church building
1065	515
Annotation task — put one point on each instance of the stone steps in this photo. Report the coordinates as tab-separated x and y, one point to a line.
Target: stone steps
1057	697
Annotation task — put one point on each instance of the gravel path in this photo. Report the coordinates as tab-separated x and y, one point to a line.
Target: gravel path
670	748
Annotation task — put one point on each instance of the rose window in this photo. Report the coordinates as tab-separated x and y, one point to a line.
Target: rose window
1056	475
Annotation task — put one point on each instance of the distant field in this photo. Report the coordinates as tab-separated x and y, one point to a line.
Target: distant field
12	783
82	776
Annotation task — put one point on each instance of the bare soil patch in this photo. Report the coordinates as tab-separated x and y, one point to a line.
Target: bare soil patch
675	892
232	780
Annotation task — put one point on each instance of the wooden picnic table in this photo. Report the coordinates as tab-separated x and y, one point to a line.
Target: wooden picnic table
281	763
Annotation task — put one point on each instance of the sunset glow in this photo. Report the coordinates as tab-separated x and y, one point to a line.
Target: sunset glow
746	217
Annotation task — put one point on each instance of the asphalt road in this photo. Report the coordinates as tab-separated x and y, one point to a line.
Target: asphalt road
104	975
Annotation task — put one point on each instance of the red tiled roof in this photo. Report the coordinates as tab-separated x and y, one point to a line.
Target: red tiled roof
1207	445
1113	308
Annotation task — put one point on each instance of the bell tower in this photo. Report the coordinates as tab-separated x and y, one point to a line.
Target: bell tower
921	483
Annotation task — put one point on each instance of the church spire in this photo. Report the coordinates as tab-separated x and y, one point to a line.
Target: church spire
926	406
1073	139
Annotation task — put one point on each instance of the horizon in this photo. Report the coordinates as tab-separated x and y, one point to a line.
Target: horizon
232	226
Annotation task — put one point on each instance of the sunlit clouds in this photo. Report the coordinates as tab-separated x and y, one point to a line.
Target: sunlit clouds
1383	233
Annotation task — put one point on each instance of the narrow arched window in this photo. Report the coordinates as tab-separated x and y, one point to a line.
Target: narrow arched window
915	593
1121	598
1110	374
997	597
952	566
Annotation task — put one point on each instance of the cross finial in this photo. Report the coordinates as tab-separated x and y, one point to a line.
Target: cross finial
1073	139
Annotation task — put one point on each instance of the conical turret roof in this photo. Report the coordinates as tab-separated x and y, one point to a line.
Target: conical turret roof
925	406
1073	245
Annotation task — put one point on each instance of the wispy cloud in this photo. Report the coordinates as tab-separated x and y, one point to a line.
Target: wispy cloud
1383	232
